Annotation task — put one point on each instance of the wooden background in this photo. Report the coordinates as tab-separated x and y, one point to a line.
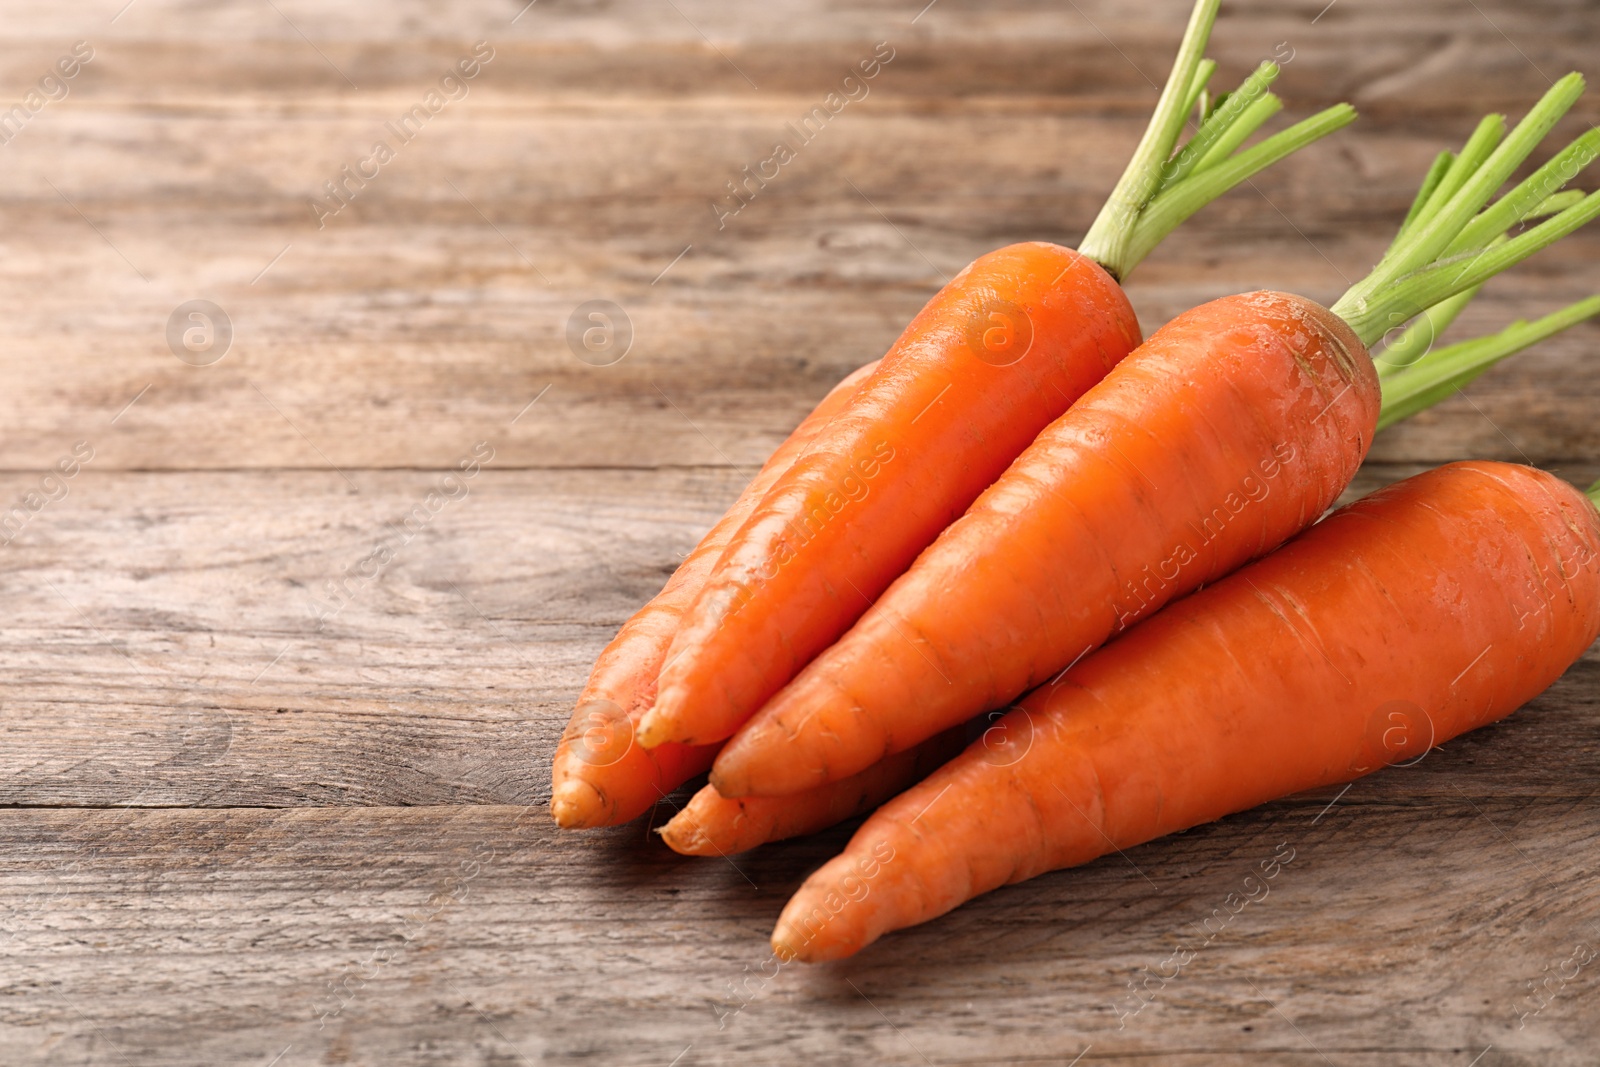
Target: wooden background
234	835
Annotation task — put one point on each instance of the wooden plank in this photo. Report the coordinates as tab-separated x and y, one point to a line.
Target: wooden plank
191	665
437	303
474	935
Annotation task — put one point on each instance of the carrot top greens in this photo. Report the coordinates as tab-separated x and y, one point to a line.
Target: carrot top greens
1159	190
1451	243
1417	339
1444	370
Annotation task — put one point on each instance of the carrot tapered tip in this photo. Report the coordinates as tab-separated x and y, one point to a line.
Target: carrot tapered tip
653	730
684	836
783	946
576	805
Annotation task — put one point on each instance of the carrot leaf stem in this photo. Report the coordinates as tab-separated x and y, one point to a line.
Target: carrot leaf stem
1444	371
1218	122
1251	119
1197	87
1450	243
1168	211
1441	166
1107	239
1159	190
1410	294
1417	339
1485	139
1594	494
1536	190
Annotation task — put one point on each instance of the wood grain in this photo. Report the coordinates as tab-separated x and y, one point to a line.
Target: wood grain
237	829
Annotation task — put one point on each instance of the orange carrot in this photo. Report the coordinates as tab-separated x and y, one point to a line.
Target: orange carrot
994	357
713	825
599	776
1428	609
1235	426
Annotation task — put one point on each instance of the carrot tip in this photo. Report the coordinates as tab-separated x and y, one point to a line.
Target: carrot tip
651	731
684	836
782	947
575	805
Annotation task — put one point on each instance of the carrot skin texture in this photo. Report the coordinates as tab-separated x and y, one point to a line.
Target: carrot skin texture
1226	433
1450	599
599	776
991	360
714	825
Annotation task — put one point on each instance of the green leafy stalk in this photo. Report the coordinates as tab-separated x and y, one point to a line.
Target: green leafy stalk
1450	244
1491	131
1444	279
1168	211
1254	116
1159	190
1438	226
1538	189
1197	88
1417	339
1594	494
1436	173
1446	370
1107	239
1217	123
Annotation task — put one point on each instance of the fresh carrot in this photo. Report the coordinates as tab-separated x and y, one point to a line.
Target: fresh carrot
1010	343
1426	610
599	776
713	825
1234	427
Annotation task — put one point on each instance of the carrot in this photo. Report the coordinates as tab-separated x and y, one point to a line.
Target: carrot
1428	609
599	777
713	825
1012	341
1235	426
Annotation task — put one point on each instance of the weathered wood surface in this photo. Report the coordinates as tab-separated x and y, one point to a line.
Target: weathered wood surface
232	832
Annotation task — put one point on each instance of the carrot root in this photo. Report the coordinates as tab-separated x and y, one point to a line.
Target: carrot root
1421	612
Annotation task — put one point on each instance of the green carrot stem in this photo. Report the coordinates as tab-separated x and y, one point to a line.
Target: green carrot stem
1217	123
1487	137
1167	211
1436	228
1594	494
1417	339
1197	88
1446	370
1436	173
1409	295
1535	190
1107	240
1254	116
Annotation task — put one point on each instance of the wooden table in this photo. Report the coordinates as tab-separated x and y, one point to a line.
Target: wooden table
244	828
